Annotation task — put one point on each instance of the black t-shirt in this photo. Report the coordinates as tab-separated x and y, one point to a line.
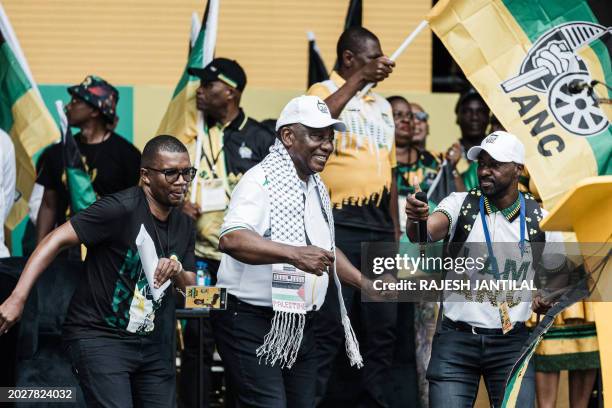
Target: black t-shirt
113	165
113	298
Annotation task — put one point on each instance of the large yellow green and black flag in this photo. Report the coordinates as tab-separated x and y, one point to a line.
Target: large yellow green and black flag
181	117
23	115
528	59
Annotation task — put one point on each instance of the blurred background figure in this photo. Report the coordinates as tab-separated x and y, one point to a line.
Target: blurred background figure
7	185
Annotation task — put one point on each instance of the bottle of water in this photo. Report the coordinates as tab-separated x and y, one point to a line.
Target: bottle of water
202	275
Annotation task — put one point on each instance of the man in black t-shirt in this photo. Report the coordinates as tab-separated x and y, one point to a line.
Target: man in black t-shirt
111	162
117	334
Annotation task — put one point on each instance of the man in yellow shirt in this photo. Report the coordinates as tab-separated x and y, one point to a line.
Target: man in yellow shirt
363	192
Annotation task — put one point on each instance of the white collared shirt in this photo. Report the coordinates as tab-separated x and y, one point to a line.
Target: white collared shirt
249	208
501	230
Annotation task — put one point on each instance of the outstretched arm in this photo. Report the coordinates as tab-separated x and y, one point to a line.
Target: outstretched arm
61	238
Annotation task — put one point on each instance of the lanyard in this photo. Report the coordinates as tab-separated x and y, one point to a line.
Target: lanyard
215	158
494	264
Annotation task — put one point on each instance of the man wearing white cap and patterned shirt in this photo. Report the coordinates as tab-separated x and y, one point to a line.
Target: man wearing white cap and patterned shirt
279	255
484	336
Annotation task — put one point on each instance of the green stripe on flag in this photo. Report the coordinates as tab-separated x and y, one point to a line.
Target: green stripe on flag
82	194
537	17
603	49
196	57
14	83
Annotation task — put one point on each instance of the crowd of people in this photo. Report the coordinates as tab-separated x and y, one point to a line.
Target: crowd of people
279	219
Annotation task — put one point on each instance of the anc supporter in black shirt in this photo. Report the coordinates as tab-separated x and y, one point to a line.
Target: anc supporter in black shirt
116	333
111	162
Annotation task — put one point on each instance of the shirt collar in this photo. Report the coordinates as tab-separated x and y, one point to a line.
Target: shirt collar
237	124
339	81
510	212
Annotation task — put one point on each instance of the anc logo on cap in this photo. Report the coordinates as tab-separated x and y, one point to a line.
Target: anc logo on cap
322	107
490	139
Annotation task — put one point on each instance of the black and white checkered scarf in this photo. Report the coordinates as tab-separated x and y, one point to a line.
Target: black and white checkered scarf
282	342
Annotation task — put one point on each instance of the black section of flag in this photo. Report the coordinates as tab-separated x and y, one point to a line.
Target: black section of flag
316	67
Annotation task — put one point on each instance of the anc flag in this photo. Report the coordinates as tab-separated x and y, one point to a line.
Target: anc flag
81	191
316	67
597	55
522	56
23	116
181	117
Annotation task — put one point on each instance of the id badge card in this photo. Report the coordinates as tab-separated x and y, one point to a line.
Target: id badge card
205	297
504	315
213	195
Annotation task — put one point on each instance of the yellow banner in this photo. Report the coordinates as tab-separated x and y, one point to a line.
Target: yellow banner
526	85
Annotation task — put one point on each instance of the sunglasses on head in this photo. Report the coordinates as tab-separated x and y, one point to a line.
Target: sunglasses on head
172	175
422	116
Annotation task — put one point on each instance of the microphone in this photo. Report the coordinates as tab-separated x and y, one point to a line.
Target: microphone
422	225
576	86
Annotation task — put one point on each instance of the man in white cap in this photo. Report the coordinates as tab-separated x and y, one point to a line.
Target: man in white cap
278	250
483	336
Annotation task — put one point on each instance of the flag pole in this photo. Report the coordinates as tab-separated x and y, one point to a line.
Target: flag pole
195	30
401	49
210	25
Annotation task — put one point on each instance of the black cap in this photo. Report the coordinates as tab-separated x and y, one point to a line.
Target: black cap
222	69
468	95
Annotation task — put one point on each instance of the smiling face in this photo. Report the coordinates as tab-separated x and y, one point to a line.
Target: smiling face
165	193
402	117
309	148
497	178
420	128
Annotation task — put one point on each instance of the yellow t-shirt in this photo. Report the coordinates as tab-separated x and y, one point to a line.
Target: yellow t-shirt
359	172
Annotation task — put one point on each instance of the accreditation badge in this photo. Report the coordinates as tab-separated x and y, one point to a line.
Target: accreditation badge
213	196
504	314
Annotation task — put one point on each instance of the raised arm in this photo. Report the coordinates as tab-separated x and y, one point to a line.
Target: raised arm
374	71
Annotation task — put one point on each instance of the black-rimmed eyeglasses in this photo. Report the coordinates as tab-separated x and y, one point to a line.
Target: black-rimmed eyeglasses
172	175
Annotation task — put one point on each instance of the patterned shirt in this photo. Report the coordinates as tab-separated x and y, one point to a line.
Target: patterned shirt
359	172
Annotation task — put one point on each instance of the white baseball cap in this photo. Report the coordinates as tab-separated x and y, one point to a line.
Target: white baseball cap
502	146
310	111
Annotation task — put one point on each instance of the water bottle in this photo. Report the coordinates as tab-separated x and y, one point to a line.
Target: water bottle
202	275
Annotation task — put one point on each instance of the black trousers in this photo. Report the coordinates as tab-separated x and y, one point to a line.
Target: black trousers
375	326
123	373
239	331
188	382
459	358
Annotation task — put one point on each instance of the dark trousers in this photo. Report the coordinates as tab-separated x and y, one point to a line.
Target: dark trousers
123	373
188	382
459	358
375	326
239	331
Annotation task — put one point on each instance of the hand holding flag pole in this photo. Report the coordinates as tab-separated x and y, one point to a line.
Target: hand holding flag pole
401	49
